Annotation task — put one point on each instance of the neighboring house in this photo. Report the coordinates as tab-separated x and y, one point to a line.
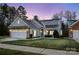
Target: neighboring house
70	22
74	30
23	28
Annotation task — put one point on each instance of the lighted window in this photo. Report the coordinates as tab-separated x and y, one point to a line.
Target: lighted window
18	21
51	32
35	33
18	30
45	32
71	30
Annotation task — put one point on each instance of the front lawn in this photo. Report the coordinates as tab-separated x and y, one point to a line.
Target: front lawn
14	52
47	43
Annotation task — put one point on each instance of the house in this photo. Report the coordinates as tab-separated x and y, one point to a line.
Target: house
24	28
70	22
74	30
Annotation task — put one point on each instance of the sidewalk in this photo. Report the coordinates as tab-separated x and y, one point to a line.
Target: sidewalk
37	50
9	39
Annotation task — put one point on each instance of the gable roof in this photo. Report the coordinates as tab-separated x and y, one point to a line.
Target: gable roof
50	23
18	22
25	23
70	22
74	23
38	24
32	23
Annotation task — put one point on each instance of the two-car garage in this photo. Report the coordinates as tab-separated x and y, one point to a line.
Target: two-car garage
22	34
18	35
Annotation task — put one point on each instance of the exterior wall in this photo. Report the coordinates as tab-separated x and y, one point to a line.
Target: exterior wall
36	33
70	33
51	31
59	28
48	30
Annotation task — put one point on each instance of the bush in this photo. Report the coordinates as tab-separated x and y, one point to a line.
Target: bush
65	33
4	30
56	34
48	35
31	35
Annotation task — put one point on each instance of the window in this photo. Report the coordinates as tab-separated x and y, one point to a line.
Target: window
18	21
51	26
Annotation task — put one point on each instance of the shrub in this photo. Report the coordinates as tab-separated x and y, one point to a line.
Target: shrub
48	35
56	34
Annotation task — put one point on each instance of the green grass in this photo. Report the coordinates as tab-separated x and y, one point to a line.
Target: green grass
14	52
47	43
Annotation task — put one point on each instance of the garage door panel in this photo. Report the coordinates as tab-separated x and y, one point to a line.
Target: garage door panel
76	34
19	35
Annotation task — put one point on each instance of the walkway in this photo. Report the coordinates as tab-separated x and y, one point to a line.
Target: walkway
9	39
37	50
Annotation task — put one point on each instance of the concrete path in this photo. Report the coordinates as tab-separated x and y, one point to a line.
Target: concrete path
37	50
13	39
9	39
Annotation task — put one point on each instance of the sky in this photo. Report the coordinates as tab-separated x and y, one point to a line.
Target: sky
46	10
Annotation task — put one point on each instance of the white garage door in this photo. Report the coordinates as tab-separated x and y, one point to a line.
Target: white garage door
21	35
76	34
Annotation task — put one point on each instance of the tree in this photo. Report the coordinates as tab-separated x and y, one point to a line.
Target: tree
4	8
21	10
56	16
56	34
67	15
74	15
61	15
3	28
9	12
12	12
64	28
70	15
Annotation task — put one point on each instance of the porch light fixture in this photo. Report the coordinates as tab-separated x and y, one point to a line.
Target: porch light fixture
10	30
71	30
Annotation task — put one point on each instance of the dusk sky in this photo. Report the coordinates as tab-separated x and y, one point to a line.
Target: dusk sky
46	10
